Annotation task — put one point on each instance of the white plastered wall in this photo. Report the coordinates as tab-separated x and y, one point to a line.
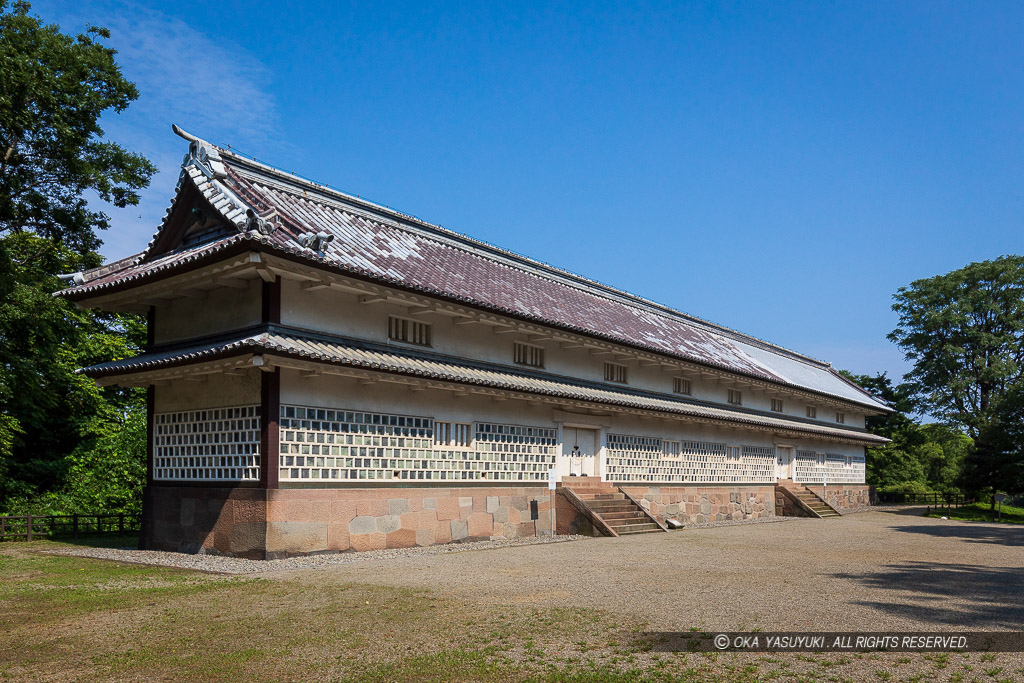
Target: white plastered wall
220	310
340	313
216	391
341	393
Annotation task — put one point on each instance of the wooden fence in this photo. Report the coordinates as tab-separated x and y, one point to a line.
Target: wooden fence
33	527
932	500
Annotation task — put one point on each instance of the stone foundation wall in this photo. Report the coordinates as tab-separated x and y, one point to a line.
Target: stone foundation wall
231	521
569	520
844	497
785	505
704	505
259	523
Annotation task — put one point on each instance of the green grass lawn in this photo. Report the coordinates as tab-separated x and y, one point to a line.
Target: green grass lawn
75	618
68	618
980	512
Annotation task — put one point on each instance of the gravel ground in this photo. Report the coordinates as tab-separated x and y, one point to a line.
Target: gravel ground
234	565
879	570
876	571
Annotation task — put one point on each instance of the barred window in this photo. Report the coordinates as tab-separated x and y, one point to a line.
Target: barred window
840	417
681	385
528	354
812	411
672	449
452	434
732	452
613	372
735	397
409	331
776	405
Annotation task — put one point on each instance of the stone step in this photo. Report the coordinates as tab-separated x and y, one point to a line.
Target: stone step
635	528
619	516
613	507
631	524
618	507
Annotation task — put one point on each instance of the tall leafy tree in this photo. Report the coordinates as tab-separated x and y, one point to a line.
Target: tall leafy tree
919	458
964	332
54	88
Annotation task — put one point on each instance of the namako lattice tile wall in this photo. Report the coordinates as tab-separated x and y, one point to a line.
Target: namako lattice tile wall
320	444
812	467
650	459
217	444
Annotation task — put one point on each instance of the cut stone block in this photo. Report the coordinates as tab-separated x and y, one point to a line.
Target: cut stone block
389	523
362	525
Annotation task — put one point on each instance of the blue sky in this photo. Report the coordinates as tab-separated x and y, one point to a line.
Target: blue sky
779	168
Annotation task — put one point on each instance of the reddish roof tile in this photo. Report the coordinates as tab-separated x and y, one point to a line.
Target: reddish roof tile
394	248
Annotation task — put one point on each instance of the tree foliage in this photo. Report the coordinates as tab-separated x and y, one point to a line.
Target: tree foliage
56	426
53	90
964	332
921	458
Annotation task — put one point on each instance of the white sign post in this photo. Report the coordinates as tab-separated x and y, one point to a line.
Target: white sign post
552	481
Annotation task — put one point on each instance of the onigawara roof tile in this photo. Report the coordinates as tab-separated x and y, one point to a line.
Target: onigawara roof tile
372	357
385	246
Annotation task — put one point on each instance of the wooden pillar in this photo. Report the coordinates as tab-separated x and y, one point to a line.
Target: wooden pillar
272	301
150	431
270	440
150	399
270	396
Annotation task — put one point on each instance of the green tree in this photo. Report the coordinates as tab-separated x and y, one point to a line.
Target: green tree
53	90
964	332
942	456
920	458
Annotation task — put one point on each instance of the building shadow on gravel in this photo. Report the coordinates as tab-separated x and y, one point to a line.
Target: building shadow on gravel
904	512
972	532
966	596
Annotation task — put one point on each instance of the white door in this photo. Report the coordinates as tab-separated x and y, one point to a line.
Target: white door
784	464
579	452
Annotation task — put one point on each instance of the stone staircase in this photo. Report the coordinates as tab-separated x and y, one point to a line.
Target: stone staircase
806	500
611	506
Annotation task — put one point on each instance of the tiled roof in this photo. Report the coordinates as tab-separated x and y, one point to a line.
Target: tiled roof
399	250
373	357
